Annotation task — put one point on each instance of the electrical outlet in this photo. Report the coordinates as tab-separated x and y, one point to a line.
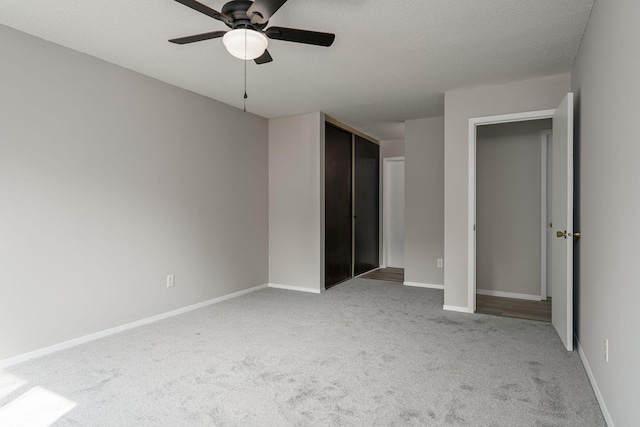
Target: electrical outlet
440	262
171	280
606	350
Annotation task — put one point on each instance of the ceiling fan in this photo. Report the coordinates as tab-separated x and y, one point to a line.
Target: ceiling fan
247	38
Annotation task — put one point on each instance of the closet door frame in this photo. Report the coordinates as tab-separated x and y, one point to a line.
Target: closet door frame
354	132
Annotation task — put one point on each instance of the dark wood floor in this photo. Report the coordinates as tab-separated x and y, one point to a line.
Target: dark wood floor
509	307
390	274
485	304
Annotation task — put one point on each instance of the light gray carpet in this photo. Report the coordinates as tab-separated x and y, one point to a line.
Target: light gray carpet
364	353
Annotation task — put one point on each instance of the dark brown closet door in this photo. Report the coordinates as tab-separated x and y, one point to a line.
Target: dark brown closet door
337	205
367	206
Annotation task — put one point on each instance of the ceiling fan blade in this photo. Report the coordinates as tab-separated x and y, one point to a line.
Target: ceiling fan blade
261	10
264	58
198	37
206	10
300	36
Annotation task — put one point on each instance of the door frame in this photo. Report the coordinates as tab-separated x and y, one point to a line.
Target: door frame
544	217
386	207
354	133
471	189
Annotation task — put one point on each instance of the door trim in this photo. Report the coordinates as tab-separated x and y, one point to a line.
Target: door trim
471	189
386	207
544	219
345	127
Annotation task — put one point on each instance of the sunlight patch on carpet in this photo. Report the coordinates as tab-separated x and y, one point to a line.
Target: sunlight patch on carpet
37	407
9	383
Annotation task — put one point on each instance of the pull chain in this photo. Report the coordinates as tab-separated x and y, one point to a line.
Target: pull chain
244	109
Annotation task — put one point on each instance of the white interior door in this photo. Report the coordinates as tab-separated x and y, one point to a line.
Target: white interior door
562	219
393	197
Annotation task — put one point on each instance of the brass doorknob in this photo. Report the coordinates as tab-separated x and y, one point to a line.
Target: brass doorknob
565	235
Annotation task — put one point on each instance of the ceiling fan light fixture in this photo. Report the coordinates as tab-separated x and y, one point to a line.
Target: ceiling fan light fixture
245	44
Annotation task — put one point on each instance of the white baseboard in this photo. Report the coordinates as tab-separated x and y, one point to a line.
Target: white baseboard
509	295
594	385
97	335
456	308
294	288
423	285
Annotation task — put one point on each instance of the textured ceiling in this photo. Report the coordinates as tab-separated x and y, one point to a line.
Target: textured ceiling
391	61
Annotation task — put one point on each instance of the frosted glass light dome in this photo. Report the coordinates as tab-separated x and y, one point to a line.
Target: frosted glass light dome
256	43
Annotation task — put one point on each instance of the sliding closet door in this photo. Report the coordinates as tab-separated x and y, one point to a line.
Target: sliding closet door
367	206
338	190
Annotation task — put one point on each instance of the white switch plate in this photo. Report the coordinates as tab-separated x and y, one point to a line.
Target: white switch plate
440	262
171	280
606	350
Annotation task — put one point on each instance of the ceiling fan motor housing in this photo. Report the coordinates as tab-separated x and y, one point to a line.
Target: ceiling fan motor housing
237	10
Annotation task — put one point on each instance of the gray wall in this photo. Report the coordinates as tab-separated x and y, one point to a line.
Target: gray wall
460	106
392	148
424	200
111	180
606	80
296	179
508	223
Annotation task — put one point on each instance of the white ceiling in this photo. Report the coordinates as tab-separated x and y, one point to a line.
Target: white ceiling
391	61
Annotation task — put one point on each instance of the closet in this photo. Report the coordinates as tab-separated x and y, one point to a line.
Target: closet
352	204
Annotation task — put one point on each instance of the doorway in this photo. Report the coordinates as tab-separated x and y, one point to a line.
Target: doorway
472	243
511	253
503	238
393	212
562	211
392	269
